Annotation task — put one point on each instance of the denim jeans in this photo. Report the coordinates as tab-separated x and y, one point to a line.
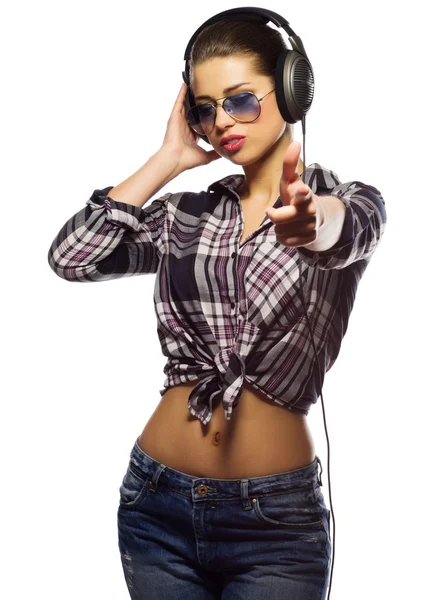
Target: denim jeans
196	538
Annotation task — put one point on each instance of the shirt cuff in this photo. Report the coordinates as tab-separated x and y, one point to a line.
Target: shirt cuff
128	215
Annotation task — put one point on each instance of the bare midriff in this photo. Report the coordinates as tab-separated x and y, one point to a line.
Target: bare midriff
262	437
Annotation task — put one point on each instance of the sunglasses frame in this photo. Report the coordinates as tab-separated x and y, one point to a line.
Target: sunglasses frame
215	104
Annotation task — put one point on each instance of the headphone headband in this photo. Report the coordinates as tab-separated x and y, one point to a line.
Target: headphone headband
250	13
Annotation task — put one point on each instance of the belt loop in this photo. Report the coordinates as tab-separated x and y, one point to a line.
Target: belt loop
153	483
319	475
244	494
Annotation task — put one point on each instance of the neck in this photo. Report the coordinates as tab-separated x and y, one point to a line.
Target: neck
261	185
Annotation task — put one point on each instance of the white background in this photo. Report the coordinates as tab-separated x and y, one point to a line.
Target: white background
87	91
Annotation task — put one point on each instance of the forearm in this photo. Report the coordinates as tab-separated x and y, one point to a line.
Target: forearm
137	189
332	221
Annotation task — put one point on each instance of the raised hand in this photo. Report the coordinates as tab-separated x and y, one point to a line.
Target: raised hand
181	141
298	220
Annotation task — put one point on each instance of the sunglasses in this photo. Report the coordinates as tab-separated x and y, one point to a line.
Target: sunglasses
244	107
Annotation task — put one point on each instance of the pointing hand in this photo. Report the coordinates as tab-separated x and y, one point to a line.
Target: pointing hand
298	220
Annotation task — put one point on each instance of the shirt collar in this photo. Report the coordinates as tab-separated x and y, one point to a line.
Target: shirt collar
230	182
314	176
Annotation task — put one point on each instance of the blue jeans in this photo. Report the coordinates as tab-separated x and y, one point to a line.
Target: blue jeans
183	537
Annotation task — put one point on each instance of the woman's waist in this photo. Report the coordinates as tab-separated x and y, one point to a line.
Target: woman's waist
252	404
260	432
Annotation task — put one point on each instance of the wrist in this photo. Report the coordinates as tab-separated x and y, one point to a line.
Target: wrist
170	159
320	211
331	217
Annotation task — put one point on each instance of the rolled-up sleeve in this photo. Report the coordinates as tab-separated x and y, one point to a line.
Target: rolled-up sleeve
108	239
363	227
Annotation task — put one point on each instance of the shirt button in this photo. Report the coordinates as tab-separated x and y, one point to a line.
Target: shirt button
233	254
232	304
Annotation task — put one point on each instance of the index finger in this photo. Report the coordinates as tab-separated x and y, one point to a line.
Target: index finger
182	99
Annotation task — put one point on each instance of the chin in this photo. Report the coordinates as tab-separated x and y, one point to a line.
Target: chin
261	154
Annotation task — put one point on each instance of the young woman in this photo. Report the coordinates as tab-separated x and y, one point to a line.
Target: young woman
221	497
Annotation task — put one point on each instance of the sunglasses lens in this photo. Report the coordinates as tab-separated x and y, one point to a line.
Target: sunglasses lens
202	118
244	107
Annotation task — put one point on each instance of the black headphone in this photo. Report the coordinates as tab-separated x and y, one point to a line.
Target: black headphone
294	79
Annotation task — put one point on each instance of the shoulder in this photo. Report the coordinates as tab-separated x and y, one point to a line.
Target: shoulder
319	178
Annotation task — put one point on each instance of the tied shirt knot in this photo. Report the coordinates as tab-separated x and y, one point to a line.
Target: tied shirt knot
224	378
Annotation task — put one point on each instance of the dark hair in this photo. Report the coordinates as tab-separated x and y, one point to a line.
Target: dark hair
258	42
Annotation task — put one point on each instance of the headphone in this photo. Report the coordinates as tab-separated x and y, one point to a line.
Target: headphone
294	87
294	79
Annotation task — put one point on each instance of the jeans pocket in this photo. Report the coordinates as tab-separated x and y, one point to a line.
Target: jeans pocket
293	509
134	486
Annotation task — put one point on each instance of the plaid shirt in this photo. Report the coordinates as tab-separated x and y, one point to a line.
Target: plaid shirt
226	312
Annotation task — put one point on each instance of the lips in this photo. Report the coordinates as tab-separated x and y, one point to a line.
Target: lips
235	145
226	140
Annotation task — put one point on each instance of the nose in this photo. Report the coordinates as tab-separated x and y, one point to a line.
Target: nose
222	118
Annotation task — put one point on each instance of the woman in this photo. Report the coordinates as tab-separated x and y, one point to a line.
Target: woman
221	498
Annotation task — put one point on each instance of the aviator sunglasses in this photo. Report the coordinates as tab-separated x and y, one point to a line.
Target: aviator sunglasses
244	107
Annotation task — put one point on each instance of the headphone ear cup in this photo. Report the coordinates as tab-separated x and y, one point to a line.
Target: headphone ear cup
294	82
